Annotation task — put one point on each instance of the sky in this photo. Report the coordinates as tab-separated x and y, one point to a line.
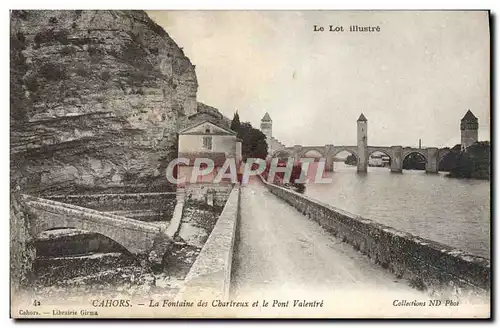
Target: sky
415	79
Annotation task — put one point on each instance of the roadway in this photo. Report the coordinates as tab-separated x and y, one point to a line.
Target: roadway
283	254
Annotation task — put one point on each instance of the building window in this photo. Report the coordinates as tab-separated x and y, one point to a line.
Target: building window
207	130
207	143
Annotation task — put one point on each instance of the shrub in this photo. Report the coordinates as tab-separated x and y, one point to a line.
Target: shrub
81	70
17	41
51	36
31	84
68	50
52	72
22	14
105	75
96	54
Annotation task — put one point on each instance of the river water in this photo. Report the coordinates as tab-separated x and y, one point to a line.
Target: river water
450	211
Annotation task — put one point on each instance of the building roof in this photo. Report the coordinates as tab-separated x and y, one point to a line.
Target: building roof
266	118
362	118
197	123
469	116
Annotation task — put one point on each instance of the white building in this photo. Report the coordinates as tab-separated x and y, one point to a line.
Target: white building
207	136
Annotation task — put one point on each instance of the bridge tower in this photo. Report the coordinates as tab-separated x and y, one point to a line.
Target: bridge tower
362	143
469	130
266	126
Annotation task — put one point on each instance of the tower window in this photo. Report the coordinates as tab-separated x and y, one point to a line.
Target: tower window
207	143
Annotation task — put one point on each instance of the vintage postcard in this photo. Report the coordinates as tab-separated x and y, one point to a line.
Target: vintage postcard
250	164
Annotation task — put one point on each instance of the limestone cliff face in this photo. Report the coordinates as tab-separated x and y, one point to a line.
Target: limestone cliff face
22	249
96	100
215	113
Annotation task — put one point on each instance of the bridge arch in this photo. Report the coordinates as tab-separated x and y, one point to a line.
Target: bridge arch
383	151
420	154
318	153
350	150
282	153
347	149
91	246
135	236
116	235
409	151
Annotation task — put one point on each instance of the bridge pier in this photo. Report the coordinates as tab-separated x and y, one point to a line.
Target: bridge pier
296	153
431	166
329	164
397	159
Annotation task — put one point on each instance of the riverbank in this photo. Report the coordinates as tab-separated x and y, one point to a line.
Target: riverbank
478	176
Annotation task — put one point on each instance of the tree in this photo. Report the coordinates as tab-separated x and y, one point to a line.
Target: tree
449	160
254	143
480	153
474	162
235	123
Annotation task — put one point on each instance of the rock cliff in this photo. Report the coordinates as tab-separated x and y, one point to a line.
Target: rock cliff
22	249
96	100
215	113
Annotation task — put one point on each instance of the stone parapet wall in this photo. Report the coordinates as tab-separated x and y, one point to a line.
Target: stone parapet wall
209	277
424	263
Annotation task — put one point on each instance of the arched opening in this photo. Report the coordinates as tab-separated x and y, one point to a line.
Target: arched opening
316	155
414	161
69	257
63	241
379	158
345	160
282	155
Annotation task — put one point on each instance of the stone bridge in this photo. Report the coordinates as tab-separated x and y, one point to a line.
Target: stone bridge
397	154
137	237
361	150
